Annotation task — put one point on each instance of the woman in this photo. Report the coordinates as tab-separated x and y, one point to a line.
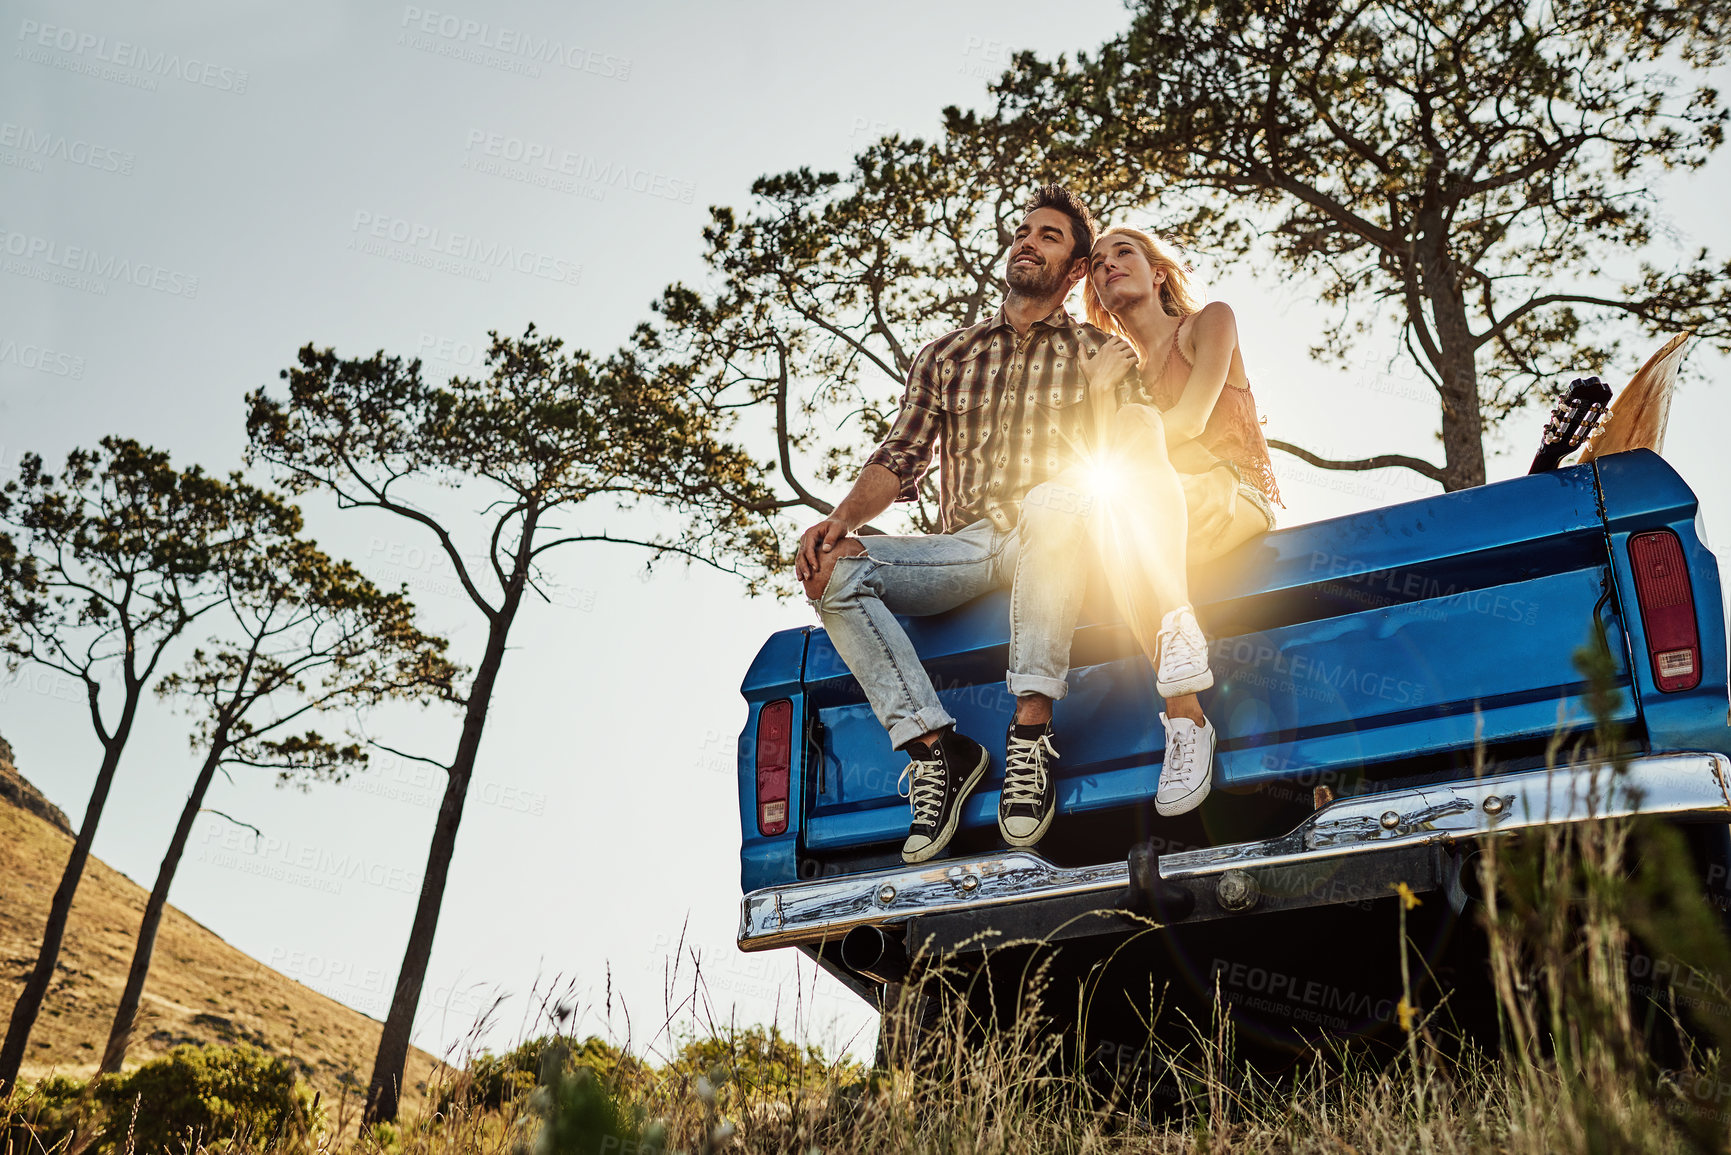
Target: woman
1183	445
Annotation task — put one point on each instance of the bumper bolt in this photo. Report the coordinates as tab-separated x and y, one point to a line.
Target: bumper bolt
1390	820
970	882
1237	891
1494	804
886	893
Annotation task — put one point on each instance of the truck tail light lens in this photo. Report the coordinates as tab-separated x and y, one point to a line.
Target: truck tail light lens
774	756
1667	609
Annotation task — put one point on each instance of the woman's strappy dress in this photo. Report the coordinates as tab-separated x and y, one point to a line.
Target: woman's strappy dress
1233	433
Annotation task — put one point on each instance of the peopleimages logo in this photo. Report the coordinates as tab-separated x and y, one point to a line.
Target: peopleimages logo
524	47
300	864
71	150
87	46
1233	979
43	360
1302	675
82	262
534	158
461	253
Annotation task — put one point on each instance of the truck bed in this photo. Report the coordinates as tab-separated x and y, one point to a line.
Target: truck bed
1367	653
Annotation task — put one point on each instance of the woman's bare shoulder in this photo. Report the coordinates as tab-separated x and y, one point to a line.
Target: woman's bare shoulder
1215	317
1213	324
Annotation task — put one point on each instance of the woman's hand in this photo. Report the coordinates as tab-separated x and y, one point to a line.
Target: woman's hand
1212	499
1104	372
1106	369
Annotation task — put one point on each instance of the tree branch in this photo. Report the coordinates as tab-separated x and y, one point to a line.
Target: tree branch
1536	303
236	821
783	448
1381	461
405	754
656	547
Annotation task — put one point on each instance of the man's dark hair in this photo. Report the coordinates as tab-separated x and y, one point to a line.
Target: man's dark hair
1056	196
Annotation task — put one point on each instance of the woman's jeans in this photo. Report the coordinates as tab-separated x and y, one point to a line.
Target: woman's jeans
1044	560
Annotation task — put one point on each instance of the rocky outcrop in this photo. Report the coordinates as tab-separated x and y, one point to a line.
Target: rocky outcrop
14	788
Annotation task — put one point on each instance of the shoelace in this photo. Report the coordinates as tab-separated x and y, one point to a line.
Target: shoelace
1184	646
925	789
1184	741
1024	772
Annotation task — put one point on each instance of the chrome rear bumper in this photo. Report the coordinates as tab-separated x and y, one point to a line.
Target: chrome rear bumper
1690	785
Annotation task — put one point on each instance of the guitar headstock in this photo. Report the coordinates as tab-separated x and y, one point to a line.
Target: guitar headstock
1575	416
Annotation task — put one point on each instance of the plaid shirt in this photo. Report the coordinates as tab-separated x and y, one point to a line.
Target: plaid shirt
1004	409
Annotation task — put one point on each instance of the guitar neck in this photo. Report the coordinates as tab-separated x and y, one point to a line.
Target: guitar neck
1571	422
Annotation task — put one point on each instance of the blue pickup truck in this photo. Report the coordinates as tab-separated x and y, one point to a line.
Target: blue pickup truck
1387	687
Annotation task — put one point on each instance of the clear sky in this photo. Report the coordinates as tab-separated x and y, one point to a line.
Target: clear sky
259	159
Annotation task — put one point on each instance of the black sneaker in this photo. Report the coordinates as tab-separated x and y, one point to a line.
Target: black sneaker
943	775
1029	798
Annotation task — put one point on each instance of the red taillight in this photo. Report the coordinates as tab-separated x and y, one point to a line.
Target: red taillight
1667	609
774	756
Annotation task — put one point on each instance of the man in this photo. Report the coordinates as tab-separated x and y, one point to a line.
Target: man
1001	402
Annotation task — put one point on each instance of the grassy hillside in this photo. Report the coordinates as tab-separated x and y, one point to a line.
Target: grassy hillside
201	989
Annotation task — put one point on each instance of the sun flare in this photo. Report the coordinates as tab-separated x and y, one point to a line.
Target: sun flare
1103	476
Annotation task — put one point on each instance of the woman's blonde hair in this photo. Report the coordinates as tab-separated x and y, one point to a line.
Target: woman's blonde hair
1179	295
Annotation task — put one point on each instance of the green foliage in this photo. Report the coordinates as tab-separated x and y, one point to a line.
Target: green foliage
493	1081
1566	911
561	446
51	1112
385	1137
207	1094
572	1091
1599	667
760	1061
584	1096
119	544
1466	169
306	632
755	1060
302	633
195	1097
580	1116
550	430
824	286
102	568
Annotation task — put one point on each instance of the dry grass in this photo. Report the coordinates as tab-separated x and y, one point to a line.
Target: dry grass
1588	1064
1576	1077
201	989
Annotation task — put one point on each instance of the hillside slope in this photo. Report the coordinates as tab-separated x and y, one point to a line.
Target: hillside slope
201	989
16	790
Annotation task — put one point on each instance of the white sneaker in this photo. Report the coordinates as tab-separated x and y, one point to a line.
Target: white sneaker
1183	655
1189	768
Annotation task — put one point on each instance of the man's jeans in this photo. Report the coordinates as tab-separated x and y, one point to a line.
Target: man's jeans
1044	560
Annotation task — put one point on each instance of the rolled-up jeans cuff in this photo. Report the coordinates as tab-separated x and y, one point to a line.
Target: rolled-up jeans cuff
924	722
1053	688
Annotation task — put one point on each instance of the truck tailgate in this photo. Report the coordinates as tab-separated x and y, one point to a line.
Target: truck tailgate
1339	647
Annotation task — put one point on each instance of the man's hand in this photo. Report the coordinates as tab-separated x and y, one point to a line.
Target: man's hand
1107	368
1212	499
820	539
872	493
